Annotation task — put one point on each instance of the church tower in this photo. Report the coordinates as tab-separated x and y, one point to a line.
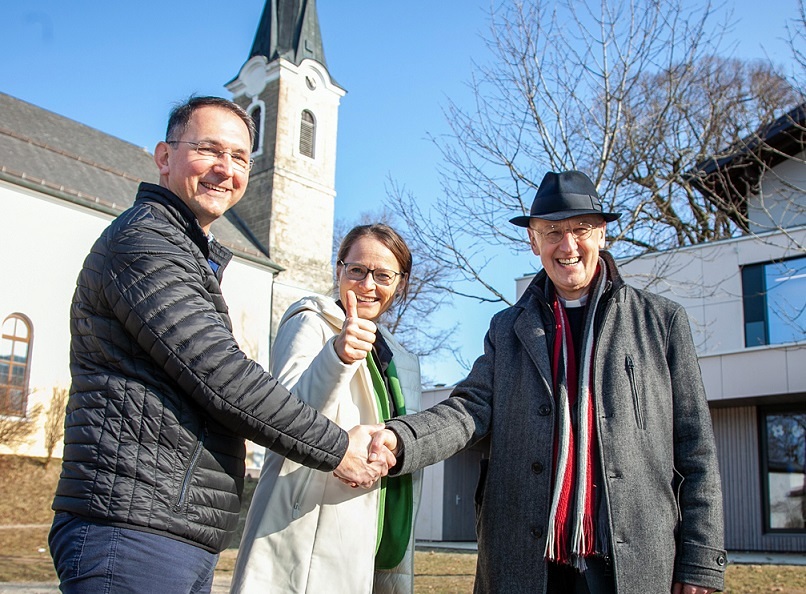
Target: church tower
289	203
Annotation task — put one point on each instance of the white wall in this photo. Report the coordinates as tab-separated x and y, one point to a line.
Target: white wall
45	241
781	199
247	290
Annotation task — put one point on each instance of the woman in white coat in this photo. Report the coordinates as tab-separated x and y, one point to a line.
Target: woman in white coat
307	531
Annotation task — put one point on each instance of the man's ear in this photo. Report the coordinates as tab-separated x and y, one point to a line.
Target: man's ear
602	241
161	157
533	241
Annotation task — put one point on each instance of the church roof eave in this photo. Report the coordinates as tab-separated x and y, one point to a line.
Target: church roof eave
58	157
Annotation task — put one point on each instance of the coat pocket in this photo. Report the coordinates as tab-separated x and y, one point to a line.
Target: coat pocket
640	418
677	484
298	503
187	479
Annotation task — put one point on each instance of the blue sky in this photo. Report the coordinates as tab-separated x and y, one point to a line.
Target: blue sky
120	66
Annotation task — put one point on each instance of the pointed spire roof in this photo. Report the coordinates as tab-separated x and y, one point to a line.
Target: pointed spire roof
289	29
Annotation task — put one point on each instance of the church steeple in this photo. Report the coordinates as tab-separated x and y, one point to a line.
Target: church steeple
289	205
289	29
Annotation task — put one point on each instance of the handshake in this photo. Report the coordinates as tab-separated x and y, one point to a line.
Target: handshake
371	452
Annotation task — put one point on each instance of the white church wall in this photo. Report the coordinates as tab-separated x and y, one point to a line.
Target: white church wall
45	240
247	290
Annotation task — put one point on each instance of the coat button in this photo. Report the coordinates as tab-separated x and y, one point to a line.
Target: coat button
537	468
544	410
721	560
536	531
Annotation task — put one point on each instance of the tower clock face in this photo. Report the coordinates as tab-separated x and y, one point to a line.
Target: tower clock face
311	82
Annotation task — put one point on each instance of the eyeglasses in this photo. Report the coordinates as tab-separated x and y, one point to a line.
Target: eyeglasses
358	272
211	151
555	233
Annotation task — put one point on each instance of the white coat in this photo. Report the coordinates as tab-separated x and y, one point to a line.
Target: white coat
306	531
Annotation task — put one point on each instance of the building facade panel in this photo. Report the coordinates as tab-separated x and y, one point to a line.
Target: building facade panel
736	433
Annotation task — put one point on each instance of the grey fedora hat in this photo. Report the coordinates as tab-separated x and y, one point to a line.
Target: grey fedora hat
564	195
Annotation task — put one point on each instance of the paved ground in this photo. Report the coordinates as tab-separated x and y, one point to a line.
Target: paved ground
221	584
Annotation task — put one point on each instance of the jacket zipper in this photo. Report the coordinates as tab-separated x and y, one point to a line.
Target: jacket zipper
639	415
191	469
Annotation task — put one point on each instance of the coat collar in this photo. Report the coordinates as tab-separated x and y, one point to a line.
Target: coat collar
178	212
530	329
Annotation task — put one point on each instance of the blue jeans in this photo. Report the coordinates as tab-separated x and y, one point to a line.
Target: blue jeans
101	559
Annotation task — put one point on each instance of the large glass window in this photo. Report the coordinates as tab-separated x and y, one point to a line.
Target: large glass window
784	466
15	353
774	302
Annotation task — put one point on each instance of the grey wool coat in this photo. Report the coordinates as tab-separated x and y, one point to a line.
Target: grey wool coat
655	443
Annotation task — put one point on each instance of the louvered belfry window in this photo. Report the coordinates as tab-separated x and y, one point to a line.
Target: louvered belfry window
307	134
256	118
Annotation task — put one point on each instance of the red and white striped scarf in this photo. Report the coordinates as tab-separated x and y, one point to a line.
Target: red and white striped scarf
571	535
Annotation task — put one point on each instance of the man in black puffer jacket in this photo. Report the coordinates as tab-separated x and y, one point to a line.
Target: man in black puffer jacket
162	397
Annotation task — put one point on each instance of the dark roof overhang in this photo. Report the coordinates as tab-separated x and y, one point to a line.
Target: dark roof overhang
735	176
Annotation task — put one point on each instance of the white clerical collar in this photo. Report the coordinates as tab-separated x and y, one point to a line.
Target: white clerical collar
574	302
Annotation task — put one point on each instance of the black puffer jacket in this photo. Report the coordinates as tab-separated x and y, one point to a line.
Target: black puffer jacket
162	397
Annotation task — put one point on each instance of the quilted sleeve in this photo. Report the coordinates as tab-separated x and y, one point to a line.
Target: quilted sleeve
172	307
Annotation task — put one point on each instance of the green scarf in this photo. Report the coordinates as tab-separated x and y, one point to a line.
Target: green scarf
396	505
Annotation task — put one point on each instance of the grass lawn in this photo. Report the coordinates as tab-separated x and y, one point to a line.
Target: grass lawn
26	491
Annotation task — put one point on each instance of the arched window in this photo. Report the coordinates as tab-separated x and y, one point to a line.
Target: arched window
307	134
256	114
15	357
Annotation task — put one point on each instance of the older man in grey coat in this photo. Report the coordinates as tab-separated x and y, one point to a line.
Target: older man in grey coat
602	473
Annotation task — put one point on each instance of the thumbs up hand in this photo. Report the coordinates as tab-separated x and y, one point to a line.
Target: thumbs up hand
357	334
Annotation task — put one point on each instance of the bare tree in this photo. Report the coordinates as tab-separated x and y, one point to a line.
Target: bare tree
16	431
54	421
412	321
796	35
634	93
